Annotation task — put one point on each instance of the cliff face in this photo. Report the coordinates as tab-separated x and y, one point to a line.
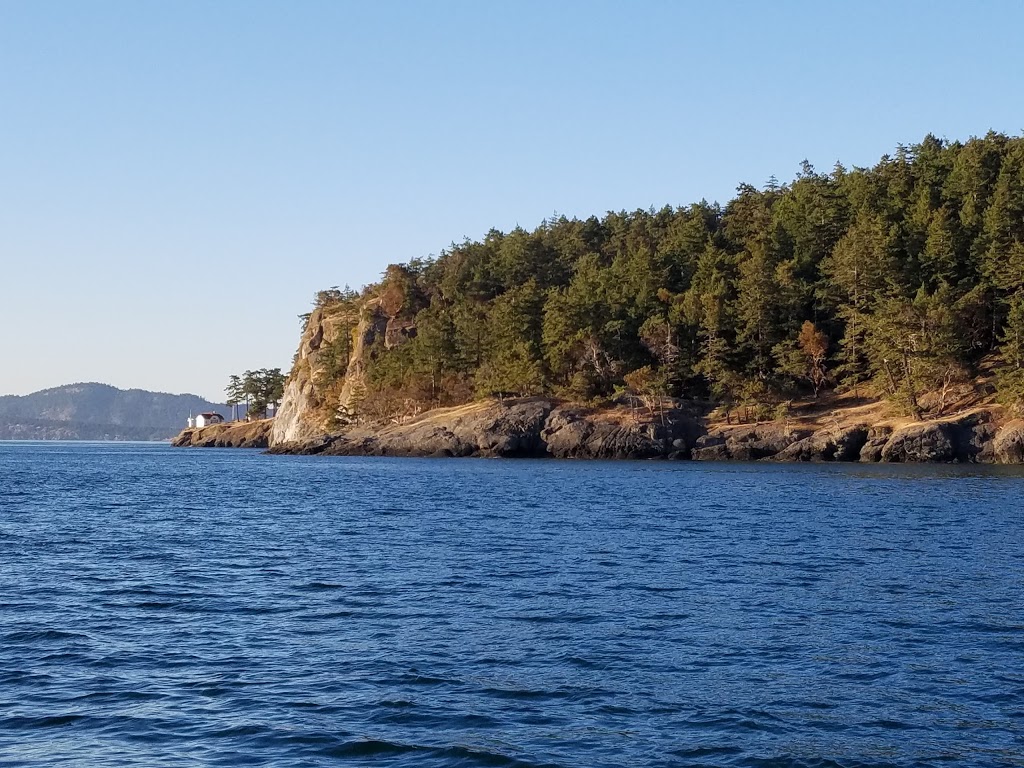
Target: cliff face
335	339
329	375
297	419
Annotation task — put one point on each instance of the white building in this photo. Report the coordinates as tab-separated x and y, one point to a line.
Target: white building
204	420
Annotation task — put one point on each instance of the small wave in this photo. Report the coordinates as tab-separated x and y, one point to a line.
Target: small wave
791	761
396	703
317	586
995	629
319	616
556	618
693	753
891	725
525	693
365	748
24	723
413	678
42	635
863	677
117	697
467	757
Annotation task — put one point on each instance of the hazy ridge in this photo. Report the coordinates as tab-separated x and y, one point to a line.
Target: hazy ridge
92	411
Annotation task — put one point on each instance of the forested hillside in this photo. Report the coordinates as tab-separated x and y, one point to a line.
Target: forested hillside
896	280
97	412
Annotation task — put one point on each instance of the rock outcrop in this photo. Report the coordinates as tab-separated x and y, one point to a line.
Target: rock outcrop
878	436
975	436
838	444
968	439
746	443
575	433
920	442
334	347
481	429
538	427
336	339
1008	444
302	415
232	434
531	427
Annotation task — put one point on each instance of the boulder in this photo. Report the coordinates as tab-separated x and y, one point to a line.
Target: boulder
709	440
565	432
717	452
574	434
746	443
921	442
843	444
877	437
1008	444
509	429
762	442
974	437
966	439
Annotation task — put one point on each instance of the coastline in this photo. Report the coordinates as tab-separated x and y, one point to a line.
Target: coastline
231	434
544	428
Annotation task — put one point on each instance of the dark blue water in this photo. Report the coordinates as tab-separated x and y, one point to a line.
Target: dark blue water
165	607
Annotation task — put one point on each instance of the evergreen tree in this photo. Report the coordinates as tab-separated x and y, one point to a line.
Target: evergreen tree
1010	379
756	302
235	395
907	273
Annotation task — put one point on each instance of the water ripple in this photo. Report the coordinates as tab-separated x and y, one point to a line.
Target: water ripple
301	611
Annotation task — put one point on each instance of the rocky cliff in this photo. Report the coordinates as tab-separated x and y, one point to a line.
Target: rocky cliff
336	340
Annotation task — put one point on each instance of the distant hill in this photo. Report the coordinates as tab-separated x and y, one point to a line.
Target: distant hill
98	412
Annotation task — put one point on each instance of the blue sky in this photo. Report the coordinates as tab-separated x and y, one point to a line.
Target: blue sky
178	179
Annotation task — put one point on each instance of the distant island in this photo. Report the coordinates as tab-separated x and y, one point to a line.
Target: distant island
881	307
91	411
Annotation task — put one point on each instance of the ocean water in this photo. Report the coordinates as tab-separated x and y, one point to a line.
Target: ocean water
163	607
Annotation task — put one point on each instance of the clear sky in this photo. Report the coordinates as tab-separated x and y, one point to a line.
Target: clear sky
177	179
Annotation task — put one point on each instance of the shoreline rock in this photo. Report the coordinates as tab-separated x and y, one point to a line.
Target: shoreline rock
231	434
1008	443
527	428
841	444
542	428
